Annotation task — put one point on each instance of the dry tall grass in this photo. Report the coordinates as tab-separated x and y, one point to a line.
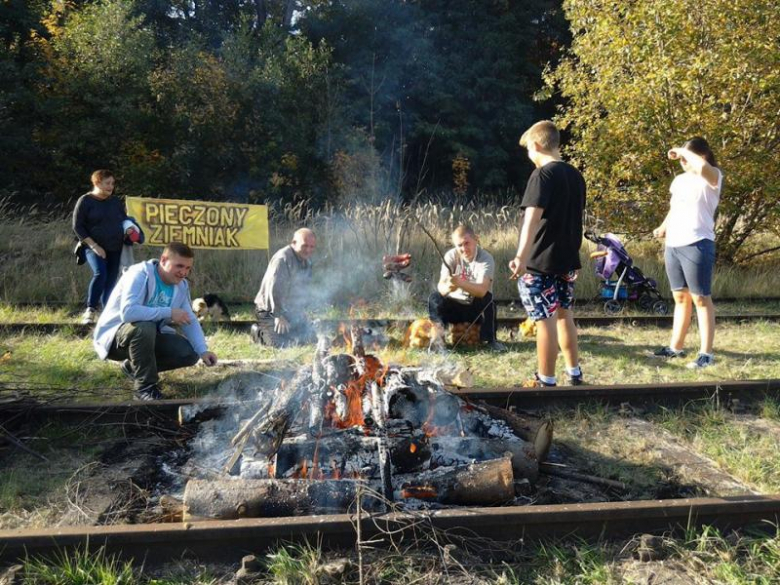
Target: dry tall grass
36	261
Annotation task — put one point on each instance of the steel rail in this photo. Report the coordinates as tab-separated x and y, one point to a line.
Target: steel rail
222	540
503	323
79	307
140	413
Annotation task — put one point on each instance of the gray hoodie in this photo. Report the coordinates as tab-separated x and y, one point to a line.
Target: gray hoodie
127	305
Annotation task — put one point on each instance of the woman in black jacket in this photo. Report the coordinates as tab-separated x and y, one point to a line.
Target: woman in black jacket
97	221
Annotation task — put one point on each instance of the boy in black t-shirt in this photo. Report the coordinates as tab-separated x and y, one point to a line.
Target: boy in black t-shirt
548	255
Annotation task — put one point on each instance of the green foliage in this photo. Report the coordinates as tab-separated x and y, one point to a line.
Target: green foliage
295	564
79	567
641	77
92	91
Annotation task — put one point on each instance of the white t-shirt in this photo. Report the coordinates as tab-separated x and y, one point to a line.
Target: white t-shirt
692	210
483	266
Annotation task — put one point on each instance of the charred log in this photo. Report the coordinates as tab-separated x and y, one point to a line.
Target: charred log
269	498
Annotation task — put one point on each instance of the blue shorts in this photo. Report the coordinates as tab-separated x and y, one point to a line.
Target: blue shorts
691	267
542	294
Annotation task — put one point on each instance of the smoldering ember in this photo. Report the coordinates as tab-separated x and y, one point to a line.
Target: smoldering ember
347	428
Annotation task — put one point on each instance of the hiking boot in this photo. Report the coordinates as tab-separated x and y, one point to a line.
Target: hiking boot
90	316
127	369
497	347
535	382
147	393
702	361
668	352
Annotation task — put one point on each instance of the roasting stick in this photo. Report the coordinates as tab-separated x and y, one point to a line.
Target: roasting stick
435	245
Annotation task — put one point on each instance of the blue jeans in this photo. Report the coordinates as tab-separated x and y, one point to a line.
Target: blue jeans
104	275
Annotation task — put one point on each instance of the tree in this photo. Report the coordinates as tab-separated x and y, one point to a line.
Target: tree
642	76
92	91
433	80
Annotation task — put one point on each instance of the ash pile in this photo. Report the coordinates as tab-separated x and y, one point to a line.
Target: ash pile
347	428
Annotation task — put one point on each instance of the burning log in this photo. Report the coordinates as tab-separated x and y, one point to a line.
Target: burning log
269	498
537	431
479	484
448	451
267	429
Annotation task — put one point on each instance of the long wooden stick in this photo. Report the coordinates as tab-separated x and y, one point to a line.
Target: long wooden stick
435	245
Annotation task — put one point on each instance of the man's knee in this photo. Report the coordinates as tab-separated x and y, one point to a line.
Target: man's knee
139	330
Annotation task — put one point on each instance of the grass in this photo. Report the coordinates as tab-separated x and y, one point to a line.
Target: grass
702	556
749	454
295	564
62	364
28	484
79	567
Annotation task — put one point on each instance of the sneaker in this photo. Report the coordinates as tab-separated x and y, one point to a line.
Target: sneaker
147	393
668	352
497	346
575	380
535	382
127	369
90	316
702	361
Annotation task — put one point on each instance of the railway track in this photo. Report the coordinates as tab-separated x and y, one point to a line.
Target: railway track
722	392
229	540
503	323
220	540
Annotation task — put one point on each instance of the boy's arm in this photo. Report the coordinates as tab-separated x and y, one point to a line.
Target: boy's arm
476	289
531	219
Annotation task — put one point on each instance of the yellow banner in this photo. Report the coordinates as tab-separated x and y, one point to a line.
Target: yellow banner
201	224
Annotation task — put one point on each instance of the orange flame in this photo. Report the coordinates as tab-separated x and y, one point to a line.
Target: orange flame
354	393
413	448
421	492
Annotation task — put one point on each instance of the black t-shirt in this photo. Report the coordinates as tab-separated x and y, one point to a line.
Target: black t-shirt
559	189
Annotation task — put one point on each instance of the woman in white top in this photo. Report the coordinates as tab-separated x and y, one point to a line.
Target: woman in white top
689	229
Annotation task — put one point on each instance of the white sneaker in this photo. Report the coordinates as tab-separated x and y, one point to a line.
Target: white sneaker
90	316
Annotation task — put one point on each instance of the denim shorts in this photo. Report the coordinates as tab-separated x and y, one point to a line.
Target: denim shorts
542	294
691	267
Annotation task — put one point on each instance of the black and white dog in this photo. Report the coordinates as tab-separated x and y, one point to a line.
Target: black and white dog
212	307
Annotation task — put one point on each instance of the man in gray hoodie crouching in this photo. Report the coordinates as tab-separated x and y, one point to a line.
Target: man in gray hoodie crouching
136	324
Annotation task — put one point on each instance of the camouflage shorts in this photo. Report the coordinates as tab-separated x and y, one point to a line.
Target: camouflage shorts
542	294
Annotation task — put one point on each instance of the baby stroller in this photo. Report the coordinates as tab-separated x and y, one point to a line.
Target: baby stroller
629	284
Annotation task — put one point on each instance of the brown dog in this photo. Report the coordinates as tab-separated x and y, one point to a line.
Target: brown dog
423	334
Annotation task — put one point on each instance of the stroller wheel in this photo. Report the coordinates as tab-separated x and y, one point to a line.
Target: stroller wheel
660	308
613	307
645	302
